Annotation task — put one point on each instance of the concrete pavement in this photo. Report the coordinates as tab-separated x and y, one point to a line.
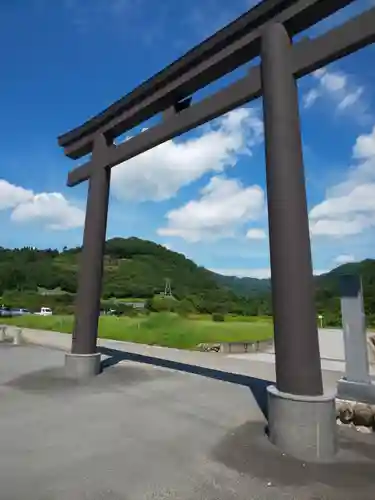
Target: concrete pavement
156	424
261	366
332	352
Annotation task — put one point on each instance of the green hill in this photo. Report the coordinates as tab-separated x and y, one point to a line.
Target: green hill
246	287
136	268
328	292
327	295
326	285
133	268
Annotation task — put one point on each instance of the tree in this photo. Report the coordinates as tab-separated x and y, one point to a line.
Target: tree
185	307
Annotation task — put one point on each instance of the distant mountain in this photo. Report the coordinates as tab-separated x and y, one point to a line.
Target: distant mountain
365	268
246	287
328	290
250	287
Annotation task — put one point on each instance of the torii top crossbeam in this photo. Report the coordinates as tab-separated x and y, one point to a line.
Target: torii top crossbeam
229	48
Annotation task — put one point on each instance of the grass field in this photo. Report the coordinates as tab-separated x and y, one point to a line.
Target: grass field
162	329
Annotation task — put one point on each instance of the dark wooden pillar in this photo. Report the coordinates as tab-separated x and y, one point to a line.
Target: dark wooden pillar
91	260
298	369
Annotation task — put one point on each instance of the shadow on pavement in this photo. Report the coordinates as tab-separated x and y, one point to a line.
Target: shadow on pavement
257	386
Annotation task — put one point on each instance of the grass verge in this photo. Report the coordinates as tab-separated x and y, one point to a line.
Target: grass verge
162	329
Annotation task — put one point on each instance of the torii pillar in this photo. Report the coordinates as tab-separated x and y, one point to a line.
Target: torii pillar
301	418
84	360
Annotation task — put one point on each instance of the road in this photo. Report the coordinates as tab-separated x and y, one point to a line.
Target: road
156	424
332	352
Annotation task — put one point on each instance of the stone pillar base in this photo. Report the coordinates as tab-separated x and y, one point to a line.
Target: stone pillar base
82	366
302	426
2	333
356	391
17	336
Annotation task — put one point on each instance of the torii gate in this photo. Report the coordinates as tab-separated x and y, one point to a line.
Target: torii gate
301	416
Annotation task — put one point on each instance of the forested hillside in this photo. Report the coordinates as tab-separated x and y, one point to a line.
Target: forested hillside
247	287
135	268
132	268
328	293
326	286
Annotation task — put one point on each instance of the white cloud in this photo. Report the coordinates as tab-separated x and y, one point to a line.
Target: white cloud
52	209
364	147
11	195
330	80
159	173
318	272
339	228
350	99
311	96
224	206
358	201
256	234
337	86
349	207
344	259
260	273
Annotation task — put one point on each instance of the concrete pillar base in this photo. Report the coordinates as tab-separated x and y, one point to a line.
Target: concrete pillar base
362	392
81	366
2	333
17	336
303	426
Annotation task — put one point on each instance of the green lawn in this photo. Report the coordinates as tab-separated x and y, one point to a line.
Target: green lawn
233	318
158	329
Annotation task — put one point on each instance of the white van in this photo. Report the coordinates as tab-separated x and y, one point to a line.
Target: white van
44	311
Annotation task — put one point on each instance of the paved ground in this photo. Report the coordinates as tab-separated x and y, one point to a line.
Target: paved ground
331	344
166	426
261	365
268	357
332	352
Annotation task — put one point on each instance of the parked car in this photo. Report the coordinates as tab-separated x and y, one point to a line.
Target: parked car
5	312
44	311
19	311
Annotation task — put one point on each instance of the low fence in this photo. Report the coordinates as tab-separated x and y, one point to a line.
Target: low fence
242	347
238	347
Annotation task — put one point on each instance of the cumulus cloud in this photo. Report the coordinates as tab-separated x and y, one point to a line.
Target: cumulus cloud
256	234
310	97
259	273
159	173
11	195
53	210
344	259
338	87
224	206
349	207
364	148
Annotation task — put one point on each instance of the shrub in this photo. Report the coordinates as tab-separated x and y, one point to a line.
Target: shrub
184	307
218	317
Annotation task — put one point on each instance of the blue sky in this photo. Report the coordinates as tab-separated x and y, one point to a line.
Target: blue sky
202	194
